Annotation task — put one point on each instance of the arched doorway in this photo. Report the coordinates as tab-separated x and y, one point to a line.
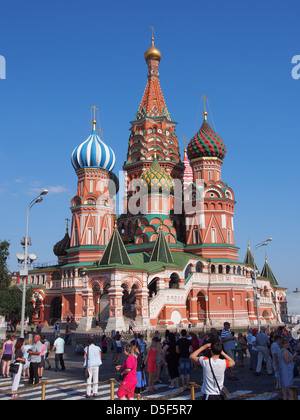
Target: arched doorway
128	300
266	315
174	281
38	310
152	287
55	309
201	307
248	301
96	301
104	304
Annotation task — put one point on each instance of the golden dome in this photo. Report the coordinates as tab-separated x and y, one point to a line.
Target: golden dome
153	53
157	178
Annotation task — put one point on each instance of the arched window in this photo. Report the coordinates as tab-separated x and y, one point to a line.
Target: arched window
122	229
266	314
104	236
227	269
220	269
129	229
213	269
213	236
196	235
145	239
188	271
199	267
229	236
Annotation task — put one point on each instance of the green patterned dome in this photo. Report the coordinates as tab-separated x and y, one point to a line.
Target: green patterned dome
206	143
157	178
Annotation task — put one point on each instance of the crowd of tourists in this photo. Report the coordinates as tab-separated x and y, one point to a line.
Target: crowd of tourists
20	359
215	351
172	355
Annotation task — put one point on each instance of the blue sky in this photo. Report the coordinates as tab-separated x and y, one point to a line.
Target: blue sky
62	57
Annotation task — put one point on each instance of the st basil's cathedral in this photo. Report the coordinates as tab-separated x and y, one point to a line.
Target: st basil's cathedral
160	262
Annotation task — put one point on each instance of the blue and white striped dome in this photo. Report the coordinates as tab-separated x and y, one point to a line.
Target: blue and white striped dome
93	153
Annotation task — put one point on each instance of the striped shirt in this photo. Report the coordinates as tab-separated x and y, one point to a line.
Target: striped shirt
228	345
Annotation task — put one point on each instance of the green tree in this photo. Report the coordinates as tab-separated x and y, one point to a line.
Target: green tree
4	273
11	297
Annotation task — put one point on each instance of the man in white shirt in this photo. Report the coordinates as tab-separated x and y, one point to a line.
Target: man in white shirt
35	360
210	388
92	360
263	343
59	347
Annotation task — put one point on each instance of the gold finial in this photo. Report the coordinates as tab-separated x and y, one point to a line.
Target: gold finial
205	112
152	53
185	139
116	220
94	122
161	223
67	228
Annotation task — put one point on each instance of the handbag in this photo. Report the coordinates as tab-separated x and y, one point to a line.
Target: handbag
14	367
224	391
86	374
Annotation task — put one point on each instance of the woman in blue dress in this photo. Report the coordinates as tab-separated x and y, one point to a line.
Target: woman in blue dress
286	366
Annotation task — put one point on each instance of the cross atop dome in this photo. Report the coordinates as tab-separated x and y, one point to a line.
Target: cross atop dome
206	143
94	122
204	104
152	53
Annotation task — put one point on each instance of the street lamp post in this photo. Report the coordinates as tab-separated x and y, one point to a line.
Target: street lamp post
26	260
257	297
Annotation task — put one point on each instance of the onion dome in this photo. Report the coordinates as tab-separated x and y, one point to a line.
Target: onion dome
60	249
93	153
152	53
206	143
157	177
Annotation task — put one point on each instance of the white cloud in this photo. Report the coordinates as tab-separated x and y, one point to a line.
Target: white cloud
52	189
58	189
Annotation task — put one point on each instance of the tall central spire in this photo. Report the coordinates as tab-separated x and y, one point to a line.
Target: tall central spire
153	153
153	103
153	127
